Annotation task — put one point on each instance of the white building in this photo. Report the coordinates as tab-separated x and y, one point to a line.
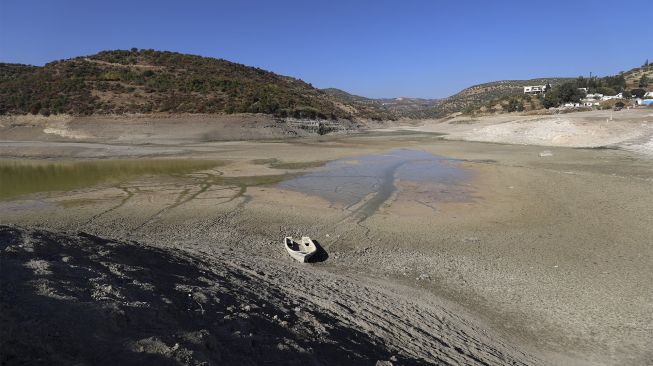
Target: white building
648	95
594	96
534	89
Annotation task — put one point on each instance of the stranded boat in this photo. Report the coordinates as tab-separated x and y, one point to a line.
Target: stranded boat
301	250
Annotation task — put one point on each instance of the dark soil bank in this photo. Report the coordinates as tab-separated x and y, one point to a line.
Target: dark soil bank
84	300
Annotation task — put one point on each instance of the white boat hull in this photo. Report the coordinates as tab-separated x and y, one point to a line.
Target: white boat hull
300	250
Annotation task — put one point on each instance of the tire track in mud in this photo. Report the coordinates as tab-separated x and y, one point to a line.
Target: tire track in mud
387	189
184	197
122	202
413	328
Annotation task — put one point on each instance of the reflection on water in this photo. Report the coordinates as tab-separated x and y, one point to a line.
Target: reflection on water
372	178
19	177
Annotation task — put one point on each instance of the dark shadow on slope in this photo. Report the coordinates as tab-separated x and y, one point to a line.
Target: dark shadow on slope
320	255
67	299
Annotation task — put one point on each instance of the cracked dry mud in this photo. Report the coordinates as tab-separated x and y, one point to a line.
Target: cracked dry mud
533	261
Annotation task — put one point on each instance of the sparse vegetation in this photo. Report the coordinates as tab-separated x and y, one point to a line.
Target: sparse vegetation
147	81
486	98
638	93
567	92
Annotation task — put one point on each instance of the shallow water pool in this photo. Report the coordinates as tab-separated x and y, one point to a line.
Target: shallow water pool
370	180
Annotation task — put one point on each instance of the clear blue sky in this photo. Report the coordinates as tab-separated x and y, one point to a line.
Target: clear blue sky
425	48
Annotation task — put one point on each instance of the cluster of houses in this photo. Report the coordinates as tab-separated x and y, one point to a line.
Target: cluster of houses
591	100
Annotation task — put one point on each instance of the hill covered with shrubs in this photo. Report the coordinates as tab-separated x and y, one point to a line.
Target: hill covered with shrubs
476	96
634	82
149	81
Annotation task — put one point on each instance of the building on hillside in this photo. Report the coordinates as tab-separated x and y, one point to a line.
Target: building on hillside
648	95
608	97
534	89
592	100
589	103
584	90
594	96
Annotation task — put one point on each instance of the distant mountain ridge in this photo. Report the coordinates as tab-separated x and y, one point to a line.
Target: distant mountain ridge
472	96
148	81
477	95
400	106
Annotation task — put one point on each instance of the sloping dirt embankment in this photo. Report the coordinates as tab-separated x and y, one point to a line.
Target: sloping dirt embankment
627	129
82	299
160	129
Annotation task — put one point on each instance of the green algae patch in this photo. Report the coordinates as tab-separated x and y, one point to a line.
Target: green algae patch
22	177
278	164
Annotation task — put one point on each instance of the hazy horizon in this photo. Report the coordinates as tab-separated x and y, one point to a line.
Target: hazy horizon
376	49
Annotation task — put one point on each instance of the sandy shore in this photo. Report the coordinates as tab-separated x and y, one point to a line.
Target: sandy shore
547	261
630	129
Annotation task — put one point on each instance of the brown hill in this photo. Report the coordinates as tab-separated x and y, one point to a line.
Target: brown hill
146	81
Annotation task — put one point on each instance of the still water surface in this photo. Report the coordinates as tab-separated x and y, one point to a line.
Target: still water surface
373	178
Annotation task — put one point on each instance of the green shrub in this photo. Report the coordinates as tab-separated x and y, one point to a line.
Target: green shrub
638	93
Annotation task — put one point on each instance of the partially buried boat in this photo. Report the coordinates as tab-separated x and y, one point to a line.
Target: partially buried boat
302	250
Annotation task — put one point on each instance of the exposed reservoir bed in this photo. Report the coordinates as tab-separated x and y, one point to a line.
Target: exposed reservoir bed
363	184
552	252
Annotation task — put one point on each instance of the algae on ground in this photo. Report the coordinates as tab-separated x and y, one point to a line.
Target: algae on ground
20	177
277	164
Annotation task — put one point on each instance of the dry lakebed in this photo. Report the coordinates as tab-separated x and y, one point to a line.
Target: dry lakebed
432	252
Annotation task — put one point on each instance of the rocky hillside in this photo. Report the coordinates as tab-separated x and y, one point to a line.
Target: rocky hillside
474	97
639	79
507	95
401	106
634	77
408	107
345	96
148	81
477	95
